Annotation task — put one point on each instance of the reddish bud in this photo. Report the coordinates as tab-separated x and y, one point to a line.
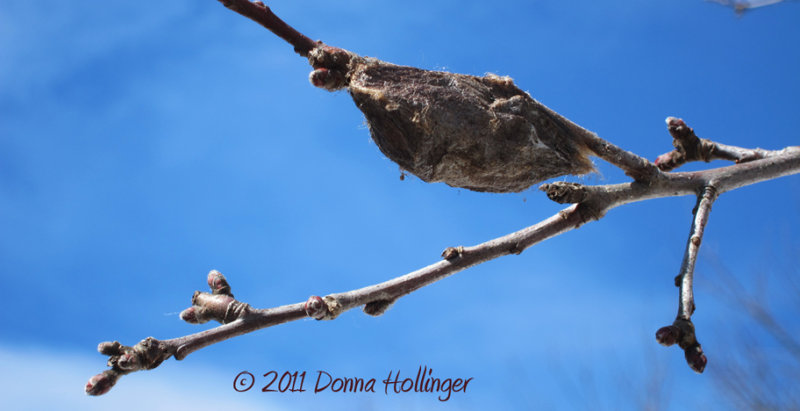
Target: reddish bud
664	158
328	79
316	308
110	348
668	335
218	283
192	316
318	77
101	383
696	358
674	122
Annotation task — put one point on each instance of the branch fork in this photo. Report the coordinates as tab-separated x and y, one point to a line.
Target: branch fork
219	305
319	308
689	147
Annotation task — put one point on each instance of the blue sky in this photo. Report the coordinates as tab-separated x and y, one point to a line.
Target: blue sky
143	144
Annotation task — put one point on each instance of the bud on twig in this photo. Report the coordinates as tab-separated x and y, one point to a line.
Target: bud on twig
668	335
190	316
218	283
376	308
696	358
315	307
129	361
101	383
110	348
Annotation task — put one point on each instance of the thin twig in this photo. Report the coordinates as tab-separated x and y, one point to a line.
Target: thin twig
682	330
261	14
639	168
689	147
635	166
242	319
239	318
686	277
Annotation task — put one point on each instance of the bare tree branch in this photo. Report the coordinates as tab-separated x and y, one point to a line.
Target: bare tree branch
689	147
239	318
533	136
558	146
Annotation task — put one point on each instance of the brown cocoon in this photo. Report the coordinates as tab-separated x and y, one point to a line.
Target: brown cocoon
479	133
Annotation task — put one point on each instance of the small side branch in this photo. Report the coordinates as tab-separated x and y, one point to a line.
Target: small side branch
689	147
682	330
685	278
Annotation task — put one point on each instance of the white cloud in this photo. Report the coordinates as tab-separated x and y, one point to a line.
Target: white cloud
36	378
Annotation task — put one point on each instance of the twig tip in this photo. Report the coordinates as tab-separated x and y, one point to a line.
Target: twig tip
218	283
101	383
668	335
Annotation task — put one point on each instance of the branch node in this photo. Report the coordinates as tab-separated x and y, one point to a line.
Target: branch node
682	332
563	192
688	147
323	308
588	211
691	347
378	307
145	355
235	310
222	308
219	305
332	66
452	253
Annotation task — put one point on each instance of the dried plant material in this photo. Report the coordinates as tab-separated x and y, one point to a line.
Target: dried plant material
479	133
